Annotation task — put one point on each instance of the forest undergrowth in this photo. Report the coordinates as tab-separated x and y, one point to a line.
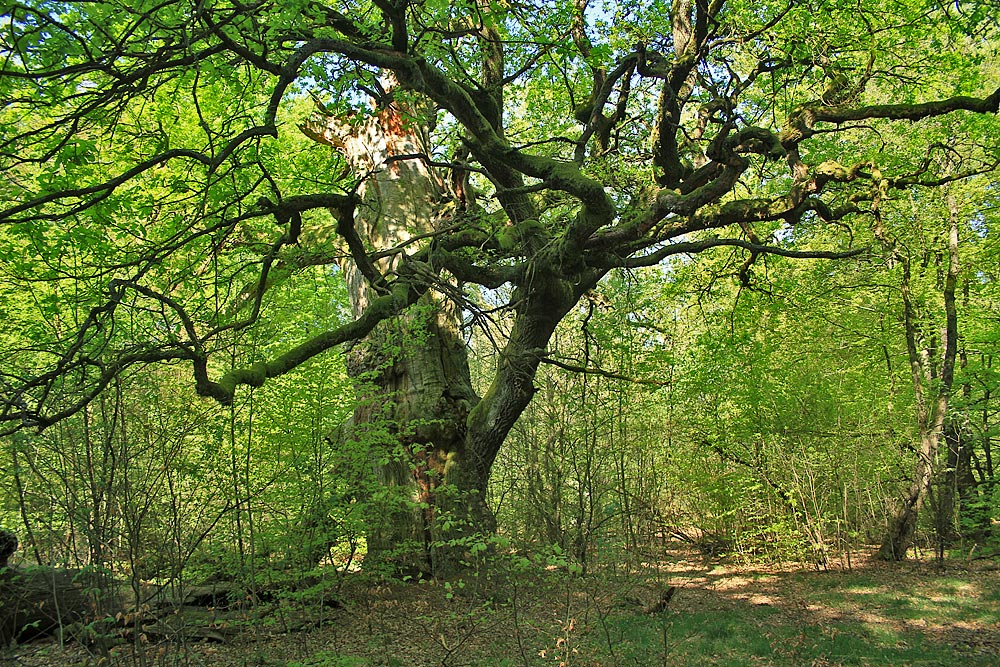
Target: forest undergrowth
679	607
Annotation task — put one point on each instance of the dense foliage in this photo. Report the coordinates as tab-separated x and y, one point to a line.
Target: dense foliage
724	272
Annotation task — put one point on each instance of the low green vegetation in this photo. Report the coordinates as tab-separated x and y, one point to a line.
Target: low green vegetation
729	616
499	332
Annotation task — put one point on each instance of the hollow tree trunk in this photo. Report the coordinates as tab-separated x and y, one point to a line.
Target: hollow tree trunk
412	372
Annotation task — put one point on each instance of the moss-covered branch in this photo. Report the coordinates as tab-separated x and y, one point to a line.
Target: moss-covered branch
382	308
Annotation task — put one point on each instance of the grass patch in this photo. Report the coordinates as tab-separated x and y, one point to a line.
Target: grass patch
864	618
731	638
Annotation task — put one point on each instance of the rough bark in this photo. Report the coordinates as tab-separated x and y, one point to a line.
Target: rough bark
417	383
412	371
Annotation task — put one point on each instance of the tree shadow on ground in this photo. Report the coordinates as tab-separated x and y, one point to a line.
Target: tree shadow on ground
720	614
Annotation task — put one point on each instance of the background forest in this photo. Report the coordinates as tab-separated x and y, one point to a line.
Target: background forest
292	290
769	423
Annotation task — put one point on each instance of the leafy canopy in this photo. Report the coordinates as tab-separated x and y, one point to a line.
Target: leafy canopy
158	182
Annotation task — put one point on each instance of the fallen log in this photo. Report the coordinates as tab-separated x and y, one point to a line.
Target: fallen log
90	606
38	600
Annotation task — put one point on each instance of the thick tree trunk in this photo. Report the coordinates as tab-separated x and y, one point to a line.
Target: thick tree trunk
902	528
417	395
412	373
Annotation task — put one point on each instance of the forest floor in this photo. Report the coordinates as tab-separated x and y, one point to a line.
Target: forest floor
915	613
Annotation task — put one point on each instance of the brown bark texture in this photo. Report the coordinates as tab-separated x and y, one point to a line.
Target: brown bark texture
411	372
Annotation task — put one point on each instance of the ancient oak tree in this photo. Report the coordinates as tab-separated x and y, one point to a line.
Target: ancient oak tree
167	163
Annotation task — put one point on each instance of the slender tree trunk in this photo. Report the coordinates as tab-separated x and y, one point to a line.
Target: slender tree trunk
959	481
931	394
956	483
986	423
